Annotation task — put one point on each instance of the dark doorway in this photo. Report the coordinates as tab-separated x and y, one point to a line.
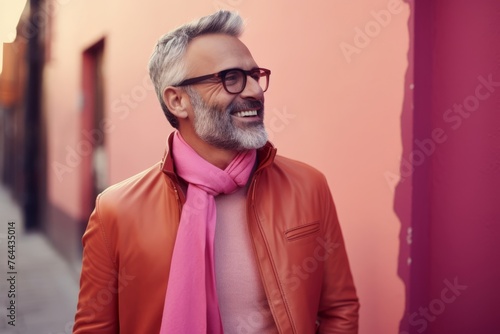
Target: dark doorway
93	139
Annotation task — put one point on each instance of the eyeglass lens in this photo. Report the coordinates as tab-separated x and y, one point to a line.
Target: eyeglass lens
235	80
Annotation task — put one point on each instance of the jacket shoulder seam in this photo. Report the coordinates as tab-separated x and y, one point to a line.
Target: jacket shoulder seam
103	232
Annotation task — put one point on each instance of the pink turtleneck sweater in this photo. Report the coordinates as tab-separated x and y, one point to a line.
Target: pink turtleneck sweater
242	300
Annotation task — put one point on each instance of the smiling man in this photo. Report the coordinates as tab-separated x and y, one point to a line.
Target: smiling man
222	235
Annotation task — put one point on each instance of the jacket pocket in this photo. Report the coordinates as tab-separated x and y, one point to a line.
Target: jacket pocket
302	231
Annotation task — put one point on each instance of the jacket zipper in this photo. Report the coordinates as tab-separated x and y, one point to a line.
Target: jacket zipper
254	186
254	183
178	198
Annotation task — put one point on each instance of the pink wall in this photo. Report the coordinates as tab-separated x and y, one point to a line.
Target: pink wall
335	101
464	188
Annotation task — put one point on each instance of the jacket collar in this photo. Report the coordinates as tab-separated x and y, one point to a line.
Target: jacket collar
265	157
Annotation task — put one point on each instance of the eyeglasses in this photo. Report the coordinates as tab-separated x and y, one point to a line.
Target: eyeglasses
234	80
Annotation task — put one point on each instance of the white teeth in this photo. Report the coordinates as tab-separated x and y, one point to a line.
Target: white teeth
246	113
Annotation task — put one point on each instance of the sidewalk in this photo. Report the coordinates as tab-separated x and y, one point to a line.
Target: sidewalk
46	288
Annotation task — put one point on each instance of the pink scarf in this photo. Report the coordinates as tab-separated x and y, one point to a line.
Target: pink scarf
191	304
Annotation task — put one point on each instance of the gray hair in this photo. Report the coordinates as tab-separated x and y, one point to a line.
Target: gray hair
166	65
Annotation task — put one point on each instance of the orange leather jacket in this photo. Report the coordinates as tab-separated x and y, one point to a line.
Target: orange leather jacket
297	240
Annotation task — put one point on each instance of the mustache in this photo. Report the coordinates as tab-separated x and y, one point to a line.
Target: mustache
247	105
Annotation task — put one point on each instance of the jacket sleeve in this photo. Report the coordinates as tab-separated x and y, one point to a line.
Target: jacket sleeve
339	305
98	298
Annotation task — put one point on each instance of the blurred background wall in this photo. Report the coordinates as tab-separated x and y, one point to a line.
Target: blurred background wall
365	91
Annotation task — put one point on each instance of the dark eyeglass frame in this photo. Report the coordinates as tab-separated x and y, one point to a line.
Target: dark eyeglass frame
262	72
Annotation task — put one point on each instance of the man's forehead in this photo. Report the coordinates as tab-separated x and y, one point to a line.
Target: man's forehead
216	52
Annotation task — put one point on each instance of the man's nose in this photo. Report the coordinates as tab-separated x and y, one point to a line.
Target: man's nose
252	89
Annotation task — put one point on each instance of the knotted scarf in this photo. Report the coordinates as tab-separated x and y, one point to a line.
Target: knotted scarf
191	304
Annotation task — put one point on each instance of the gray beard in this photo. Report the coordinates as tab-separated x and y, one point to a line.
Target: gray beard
215	126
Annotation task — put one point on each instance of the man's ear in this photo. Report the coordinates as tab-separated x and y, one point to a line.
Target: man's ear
176	100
